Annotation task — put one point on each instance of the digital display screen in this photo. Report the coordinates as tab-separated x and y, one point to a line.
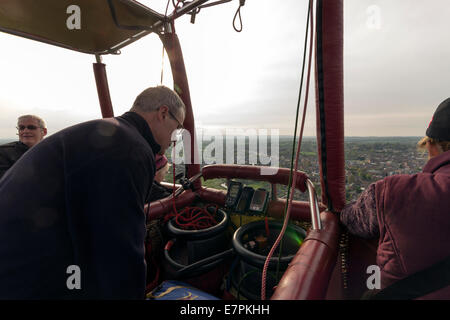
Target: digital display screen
244	200
234	191
258	201
259	197
242	205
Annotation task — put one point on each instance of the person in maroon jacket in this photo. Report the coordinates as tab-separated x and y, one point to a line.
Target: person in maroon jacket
410	214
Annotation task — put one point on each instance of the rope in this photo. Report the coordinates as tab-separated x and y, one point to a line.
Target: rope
172	22
291	194
195	218
176	5
191	218
238	13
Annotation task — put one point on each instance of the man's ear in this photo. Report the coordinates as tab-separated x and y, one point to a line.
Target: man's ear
163	112
45	131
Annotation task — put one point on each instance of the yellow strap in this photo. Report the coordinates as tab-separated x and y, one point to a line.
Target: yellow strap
169	290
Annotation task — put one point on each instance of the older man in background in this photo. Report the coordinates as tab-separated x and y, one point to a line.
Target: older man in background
32	130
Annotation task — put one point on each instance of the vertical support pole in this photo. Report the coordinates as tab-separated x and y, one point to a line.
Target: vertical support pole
102	88
181	86
330	101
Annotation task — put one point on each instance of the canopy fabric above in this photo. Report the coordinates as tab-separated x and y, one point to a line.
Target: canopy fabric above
53	21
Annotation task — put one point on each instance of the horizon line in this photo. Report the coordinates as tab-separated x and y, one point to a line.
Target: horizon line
290	136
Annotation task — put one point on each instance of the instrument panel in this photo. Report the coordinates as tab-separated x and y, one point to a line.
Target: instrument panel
246	200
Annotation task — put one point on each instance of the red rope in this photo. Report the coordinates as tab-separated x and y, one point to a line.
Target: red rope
195	218
191	218
286	219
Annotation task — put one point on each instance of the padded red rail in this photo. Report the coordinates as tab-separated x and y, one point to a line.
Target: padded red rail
253	173
309	273
164	206
300	209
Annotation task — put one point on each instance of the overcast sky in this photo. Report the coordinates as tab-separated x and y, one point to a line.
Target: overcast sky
396	62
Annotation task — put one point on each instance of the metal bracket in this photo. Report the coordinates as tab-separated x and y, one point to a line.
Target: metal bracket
314	206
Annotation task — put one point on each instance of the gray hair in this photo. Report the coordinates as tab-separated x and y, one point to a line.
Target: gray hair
40	121
151	99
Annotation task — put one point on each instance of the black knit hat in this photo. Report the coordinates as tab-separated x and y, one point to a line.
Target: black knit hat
439	127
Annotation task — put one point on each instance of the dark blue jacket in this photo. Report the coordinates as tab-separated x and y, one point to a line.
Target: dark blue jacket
77	198
9	154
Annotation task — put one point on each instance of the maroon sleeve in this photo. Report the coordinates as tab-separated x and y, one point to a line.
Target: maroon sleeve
360	216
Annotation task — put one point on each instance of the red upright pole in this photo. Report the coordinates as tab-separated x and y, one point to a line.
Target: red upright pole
181	86
102	89
330	101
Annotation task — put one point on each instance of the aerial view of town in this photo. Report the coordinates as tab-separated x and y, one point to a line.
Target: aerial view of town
367	159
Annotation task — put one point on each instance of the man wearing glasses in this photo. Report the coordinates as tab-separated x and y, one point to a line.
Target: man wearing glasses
72	220
32	130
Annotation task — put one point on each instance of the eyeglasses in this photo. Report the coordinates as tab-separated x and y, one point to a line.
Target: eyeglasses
180	126
29	127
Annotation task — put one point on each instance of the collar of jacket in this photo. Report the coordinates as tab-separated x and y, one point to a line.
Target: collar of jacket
22	145
137	121
437	162
15	145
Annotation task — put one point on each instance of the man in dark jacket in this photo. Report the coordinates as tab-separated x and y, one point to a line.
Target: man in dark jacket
32	130
72	223
410	213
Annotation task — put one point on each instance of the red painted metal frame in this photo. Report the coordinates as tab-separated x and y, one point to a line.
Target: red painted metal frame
164	206
253	173
300	209
103	90
181	86
330	78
